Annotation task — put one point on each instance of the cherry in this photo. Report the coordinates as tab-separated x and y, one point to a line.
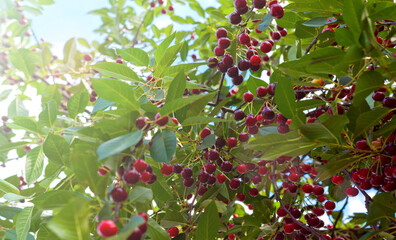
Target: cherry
271	89
214	62
237	80
281	212
239	115
307	188
254	192
161	121
255	60
202	190
145	177
295	213
377	180
205	132
253	129
107	228
288	228
280	236
173	232
268	113
203	177
221	178
4	118
261	91
283	32
143	215
218	51
188	182
166	170
363	173
365	184
136	235
234	183
186	173
235	18
318	190
337	179
118	194
120	61
243	137
313	221
170	8
228	61
177	168
241	197
213	155
232	142
87	57
292	188
131	177
220	142
389	102
265	47
263	170
329	205
101	171
141	122
241	168
319	211
283	128
244	38
378	96
276	10
226	166
233	72
362	145
210	167
221	33
224	43
293	177
248	97
140	165
243	65
259	4
250	120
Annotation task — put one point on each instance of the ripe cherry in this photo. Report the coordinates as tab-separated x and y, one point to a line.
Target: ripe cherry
161	121
265	47
243	137
250	120
318	190
329	205
241	168
288	228
235	18
244	65
224	43
218	51
188	182
239	115
248	97
233	72
268	113
173	232
221	178
244	38
276	10
261	91
337	179
145	177
293	177
221	33
140	165
118	194
226	166
131	177
205	132
213	155
255	60
234	183
214	62
107	228
186	173
307	188
378	96
166	170
232	142
259	4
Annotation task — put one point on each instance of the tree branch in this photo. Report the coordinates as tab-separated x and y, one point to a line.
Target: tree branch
220	87
313	43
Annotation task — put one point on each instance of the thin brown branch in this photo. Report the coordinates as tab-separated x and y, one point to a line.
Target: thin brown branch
313	43
220	87
338	218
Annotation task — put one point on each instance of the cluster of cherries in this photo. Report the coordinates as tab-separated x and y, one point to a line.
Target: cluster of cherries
107	228
161	3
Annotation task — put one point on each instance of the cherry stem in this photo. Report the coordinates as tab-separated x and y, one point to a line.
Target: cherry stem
313	43
338	218
116	210
313	231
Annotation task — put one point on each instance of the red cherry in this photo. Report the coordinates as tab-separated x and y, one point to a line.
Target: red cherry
244	38
186	173
241	168
205	132
235	18
288	228
293	177
281	212
87	57
232	142
221	178
214	62
261	92
307	188
118	194
188	182
255	60
276	10
240	197
319	211
263	170
239	115
265	47
166	169
337	179
248	97
173	232
131	177
330	205
107	228
218	51
234	183
243	137
226	166
145	177
213	155
318	190
140	165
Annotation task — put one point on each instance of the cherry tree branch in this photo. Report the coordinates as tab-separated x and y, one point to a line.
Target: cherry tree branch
220	87
313	43
338	218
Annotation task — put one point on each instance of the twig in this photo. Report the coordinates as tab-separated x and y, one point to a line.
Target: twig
116	210
338	218
313	43
134	41
211	78
219	91
218	123
313	231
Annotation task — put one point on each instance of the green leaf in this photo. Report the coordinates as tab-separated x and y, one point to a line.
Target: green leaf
140	194
77	103
101	104
366	84
17	109
34	164
159	53
318	6
328	131
23	222
84	42
370	119
303	31
4	94
134	55
386	130
54	199
7	187
289	19
319	22
55	148
176	88
344	37
168	58
202	120
69	51
72	221
161	190
208	142
334	166
9	212
45	234
24	123
118	144
22	59
309	104
352	14
116	70
179	103
184	67
148	18
209	223
133	223
155	231
10	146
285	98
265	23
384	205
164	146
47	117
116	91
